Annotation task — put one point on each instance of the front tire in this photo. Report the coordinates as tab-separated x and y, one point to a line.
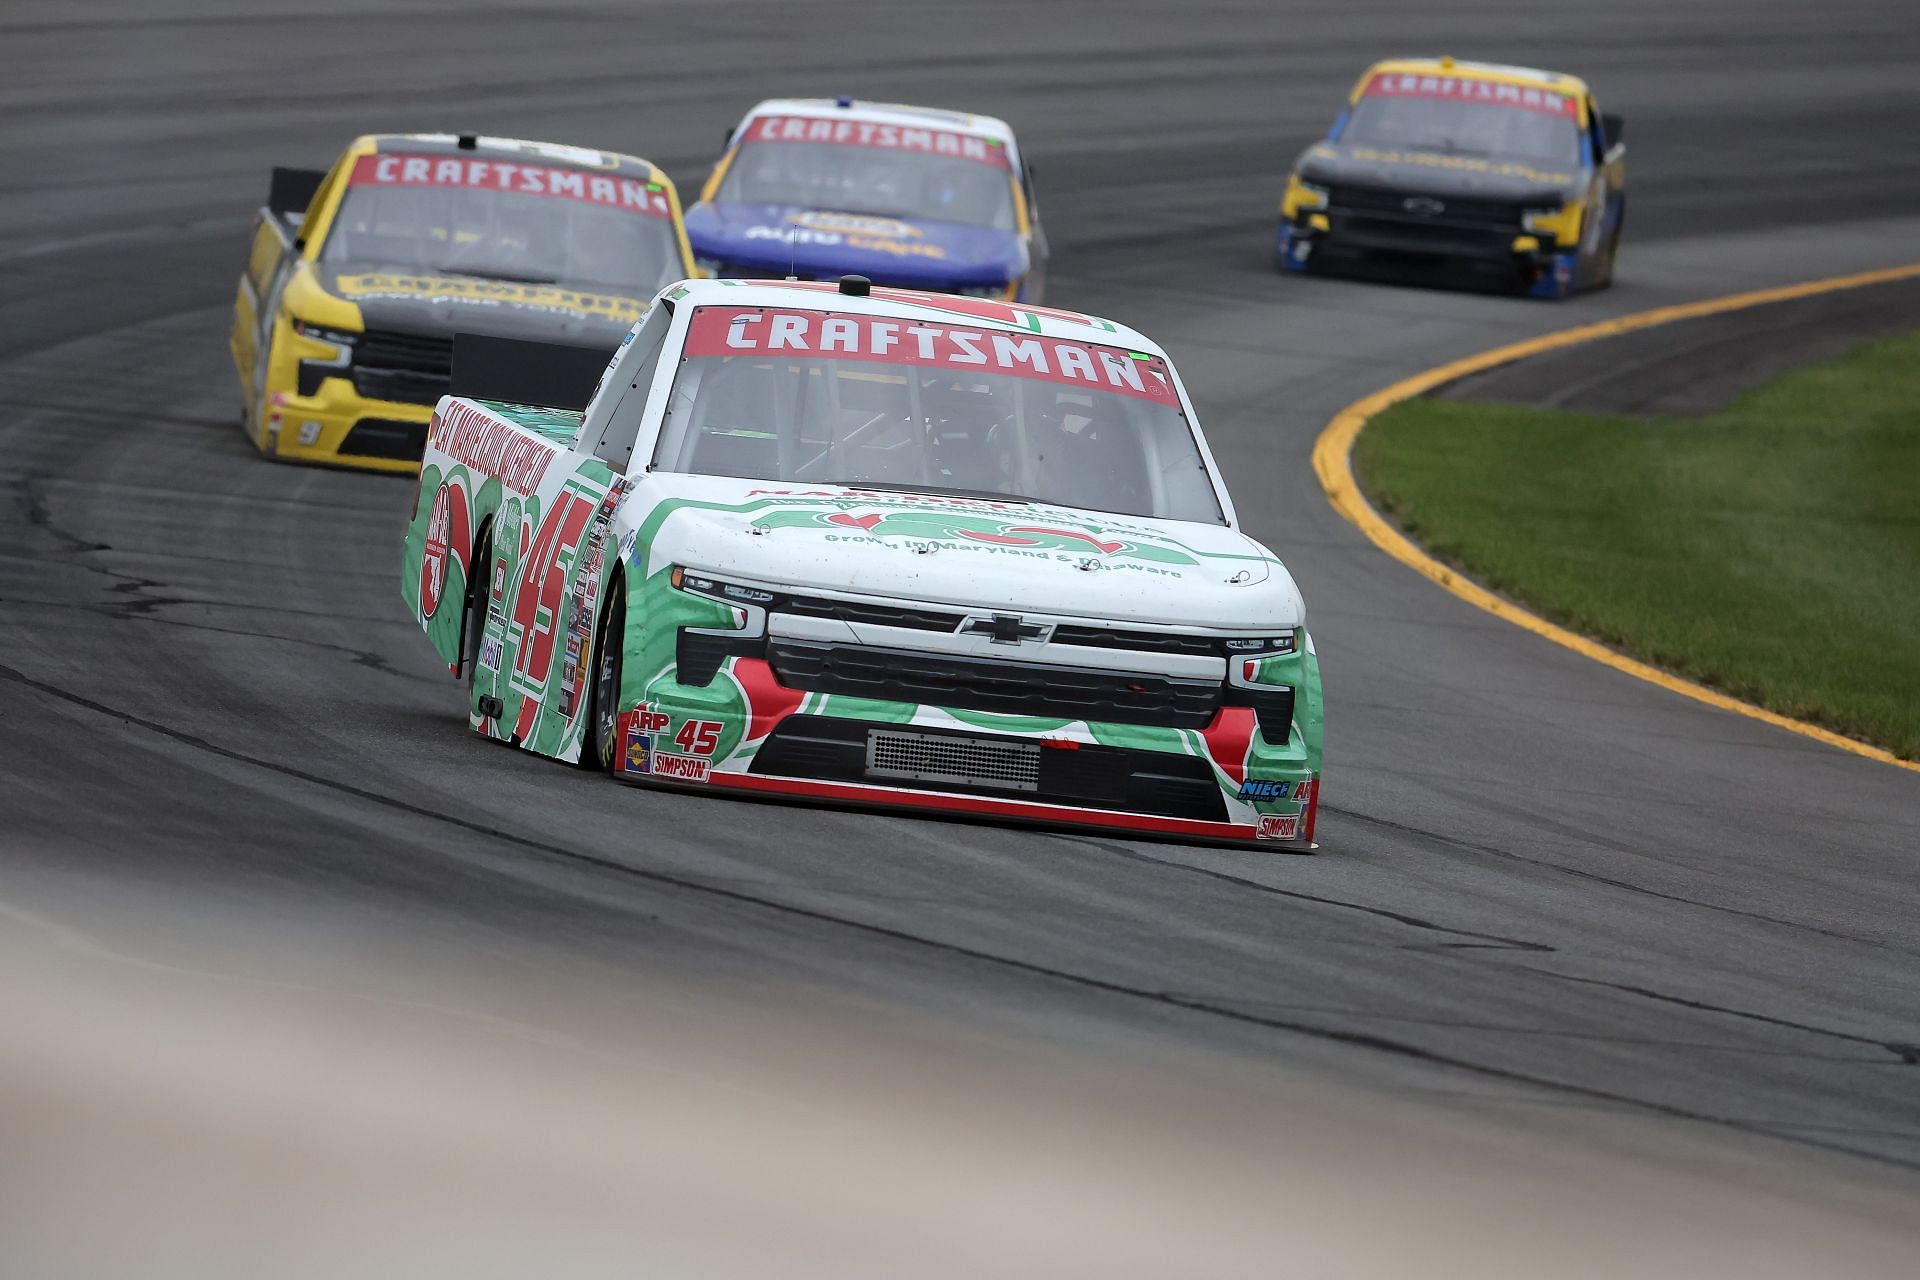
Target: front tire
1605	279
601	751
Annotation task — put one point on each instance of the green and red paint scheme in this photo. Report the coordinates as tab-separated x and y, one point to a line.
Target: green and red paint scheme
1020	661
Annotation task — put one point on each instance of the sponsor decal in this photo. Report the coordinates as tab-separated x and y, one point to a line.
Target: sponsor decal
857	224
1470	89
898	246
446	536
581	612
1265	789
513	177
866	133
490	652
681	768
1278	826
482	442
636	754
377	285
649	719
1467	164
728	331
960	529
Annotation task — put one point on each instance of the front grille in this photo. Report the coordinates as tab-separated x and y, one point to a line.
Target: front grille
1092	637
1085	775
1389	235
997	685
1003	763
1455	210
386	438
878	615
411	368
1138	641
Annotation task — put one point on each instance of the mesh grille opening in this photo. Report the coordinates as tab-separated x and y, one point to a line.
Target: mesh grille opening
974	762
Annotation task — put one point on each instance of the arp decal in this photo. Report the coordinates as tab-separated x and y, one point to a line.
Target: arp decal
1278	826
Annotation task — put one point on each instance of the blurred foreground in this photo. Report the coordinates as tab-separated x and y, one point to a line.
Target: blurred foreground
166	1116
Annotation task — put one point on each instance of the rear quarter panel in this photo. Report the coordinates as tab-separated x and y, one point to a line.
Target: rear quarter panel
502	494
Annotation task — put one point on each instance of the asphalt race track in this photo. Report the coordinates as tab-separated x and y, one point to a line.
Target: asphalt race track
1550	900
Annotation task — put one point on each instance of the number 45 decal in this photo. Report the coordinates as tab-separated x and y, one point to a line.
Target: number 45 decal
537	597
698	737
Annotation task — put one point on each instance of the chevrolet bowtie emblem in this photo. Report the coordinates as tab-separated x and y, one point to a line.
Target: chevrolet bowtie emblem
1424	206
1007	628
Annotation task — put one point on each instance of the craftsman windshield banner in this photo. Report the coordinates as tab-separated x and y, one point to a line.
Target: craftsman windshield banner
731	331
1467	89
513	177
866	133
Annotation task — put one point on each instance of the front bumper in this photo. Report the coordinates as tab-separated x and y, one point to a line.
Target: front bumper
1498	255
337	426
1224	783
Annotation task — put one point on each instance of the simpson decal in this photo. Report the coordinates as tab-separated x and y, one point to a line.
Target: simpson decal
511	177
727	331
1278	826
865	133
680	768
1467	89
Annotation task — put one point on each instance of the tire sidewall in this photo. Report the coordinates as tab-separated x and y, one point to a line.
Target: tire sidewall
601	751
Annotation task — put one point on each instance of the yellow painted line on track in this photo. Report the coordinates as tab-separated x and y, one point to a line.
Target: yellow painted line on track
1333	462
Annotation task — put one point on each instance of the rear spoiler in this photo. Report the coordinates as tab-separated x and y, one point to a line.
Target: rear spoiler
291	190
554	375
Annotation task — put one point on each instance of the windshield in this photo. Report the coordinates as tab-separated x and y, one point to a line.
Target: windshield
1466	117
881	170
501	220
812	397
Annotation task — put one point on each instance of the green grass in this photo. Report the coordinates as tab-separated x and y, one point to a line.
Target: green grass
1771	551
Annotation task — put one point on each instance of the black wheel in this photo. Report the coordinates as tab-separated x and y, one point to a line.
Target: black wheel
1613	252
474	620
602	748
1605	275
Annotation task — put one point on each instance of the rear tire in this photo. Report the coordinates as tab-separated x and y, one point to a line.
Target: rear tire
474	621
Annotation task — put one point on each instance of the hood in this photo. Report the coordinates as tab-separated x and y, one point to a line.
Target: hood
1437	173
962	551
417	303
779	239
